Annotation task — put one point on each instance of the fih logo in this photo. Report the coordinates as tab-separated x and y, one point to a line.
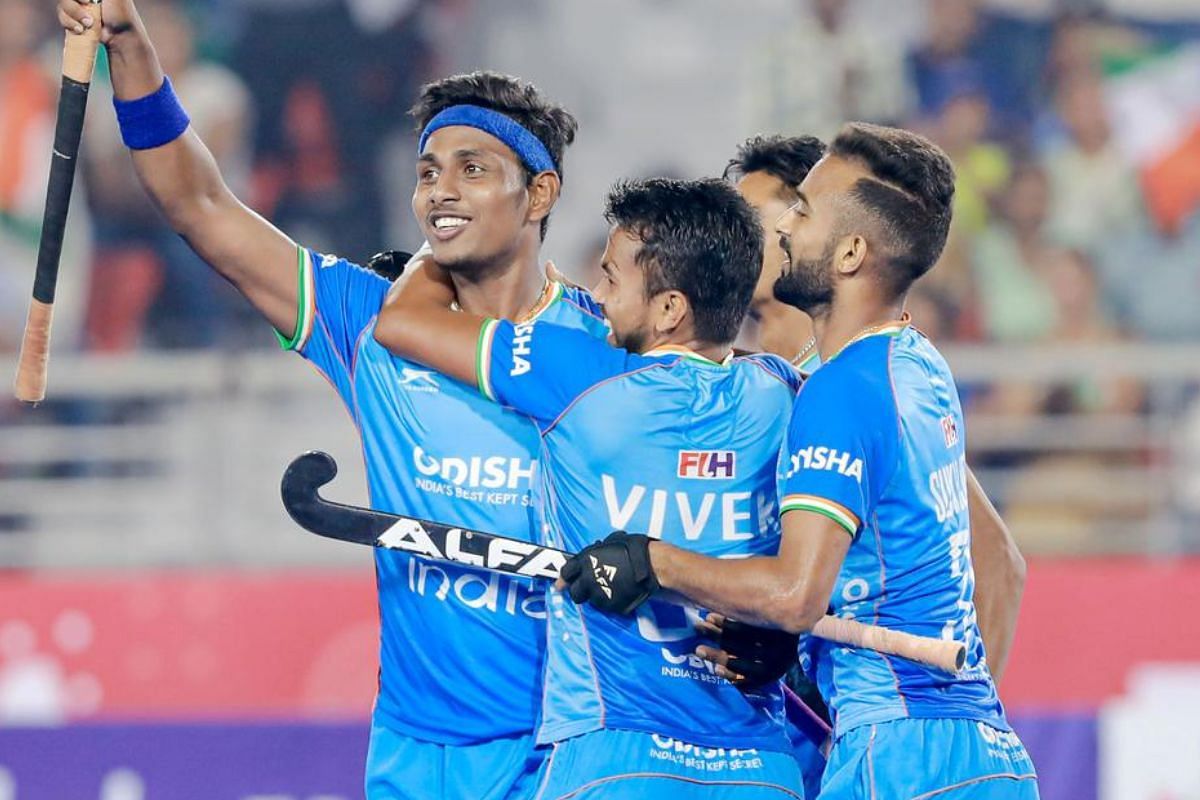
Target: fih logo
707	464
950	430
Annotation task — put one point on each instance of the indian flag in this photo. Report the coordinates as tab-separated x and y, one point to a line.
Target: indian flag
1155	100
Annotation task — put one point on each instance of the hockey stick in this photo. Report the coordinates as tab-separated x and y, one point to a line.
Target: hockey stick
310	471
79	59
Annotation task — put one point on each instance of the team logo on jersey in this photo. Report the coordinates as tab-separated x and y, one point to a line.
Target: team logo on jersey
522	336
329	261
706	464
950	430
825	458
418	380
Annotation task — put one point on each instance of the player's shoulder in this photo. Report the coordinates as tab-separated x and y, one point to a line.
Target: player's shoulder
858	378
329	263
914	346
577	300
772	366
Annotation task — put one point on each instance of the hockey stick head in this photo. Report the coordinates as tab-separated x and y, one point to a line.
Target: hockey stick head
304	476
300	487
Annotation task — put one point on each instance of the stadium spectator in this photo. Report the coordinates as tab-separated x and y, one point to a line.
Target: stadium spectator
853	68
1151	280
1005	55
329	91
1094	192
1010	263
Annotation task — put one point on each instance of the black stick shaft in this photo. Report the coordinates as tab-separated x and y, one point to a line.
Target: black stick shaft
72	105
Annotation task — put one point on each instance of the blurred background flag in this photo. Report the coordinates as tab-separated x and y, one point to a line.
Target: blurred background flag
1156	96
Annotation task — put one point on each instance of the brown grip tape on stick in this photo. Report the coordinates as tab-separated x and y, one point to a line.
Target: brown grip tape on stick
30	385
79	50
79	61
941	653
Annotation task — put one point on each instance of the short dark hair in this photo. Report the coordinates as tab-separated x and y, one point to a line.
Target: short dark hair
522	102
788	158
909	196
698	237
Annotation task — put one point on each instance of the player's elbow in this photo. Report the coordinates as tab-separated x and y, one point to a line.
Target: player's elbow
1015	571
389	331
798	611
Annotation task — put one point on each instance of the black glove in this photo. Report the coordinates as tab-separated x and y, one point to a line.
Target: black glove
760	655
614	575
390	263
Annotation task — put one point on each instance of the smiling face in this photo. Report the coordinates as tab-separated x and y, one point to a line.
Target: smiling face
471	200
770	198
621	291
809	233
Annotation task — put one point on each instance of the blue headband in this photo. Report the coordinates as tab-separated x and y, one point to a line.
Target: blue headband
528	147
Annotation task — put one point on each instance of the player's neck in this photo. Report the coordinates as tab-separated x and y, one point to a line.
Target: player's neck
782	329
845	322
508	291
713	352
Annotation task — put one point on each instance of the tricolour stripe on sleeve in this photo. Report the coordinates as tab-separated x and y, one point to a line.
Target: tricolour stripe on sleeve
819	505
305	303
483	358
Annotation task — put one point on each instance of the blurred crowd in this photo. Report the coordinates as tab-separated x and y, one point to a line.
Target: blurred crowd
1079	162
1075	130
1076	138
297	101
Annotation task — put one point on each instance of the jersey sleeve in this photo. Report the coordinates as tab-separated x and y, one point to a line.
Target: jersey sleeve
337	301
539	368
841	448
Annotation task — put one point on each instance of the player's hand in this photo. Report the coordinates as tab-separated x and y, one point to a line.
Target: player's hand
614	575
747	655
119	16
553	274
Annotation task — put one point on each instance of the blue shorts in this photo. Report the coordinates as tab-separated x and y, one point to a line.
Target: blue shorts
809	736
402	768
924	759
811	760
640	766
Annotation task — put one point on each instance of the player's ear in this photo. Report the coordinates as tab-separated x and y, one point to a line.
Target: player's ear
543	194
671	309
850	254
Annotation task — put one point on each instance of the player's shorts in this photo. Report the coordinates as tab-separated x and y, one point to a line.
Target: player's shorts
809	735
640	766
402	768
811	761
928	759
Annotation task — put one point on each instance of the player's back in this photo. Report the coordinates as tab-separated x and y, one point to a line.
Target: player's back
461	649
683	449
909	566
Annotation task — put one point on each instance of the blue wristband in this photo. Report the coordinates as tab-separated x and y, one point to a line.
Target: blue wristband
153	120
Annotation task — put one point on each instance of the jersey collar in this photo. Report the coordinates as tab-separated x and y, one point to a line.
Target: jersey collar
893	328
551	293
689	354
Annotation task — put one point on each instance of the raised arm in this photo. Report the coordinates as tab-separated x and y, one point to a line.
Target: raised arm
182	178
999	577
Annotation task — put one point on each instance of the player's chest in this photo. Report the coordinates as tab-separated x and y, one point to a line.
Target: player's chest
410	403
